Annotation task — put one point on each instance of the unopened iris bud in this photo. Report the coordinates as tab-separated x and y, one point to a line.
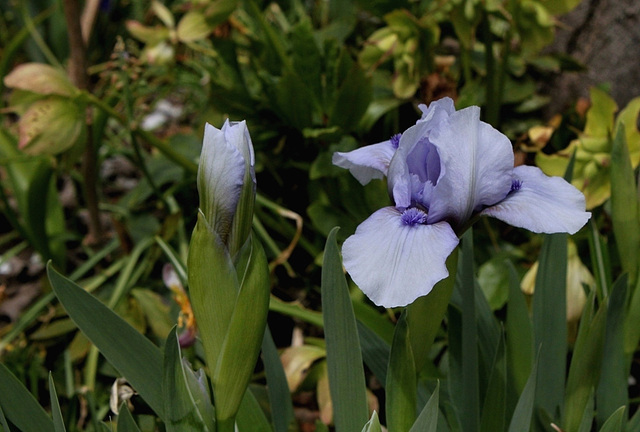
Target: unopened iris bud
227	182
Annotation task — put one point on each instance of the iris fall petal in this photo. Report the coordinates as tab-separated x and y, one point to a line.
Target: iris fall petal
413	257
541	204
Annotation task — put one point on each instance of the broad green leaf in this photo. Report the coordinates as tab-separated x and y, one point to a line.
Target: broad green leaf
401	386
346	373
629	117
550	322
292	100
51	126
132	354
352	100
585	364
20	407
186	401
40	78
521	420
126	423
279	395
495	400
427	421
559	7
251	418
600	114
58	422
373	425
519	342
612	388
155	310
193	26
307	60
624	206
241	346
615	423
424	316
213	288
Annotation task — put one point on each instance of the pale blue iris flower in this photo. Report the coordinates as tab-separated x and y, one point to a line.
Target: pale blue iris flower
443	173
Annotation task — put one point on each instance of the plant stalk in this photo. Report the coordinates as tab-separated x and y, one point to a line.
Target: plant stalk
78	75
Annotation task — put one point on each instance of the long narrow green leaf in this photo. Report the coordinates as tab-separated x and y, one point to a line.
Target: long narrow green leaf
624	205
58	423
132	354
251	418
470	398
587	416
585	364
3	421
615	422
242	343
521	419
427	421
185	409
495	400
612	388
424	316
519	333
373	425
20	407
126	423
550	322
346	373
375	352
599	260
401	388
279	395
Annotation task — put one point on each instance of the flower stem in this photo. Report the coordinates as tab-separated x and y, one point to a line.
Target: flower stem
80	78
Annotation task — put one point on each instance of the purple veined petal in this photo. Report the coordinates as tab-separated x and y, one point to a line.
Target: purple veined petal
476	162
220	178
366	163
393	260
541	204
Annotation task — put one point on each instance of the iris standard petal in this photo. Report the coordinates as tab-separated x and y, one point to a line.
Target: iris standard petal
220	179
476	161
541	204
366	163
437	110
237	134
393	262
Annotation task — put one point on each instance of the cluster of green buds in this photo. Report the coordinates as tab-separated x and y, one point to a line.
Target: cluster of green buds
592	169
227	269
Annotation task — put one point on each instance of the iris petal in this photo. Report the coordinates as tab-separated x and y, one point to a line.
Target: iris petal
220	179
476	161
541	204
366	163
394	263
